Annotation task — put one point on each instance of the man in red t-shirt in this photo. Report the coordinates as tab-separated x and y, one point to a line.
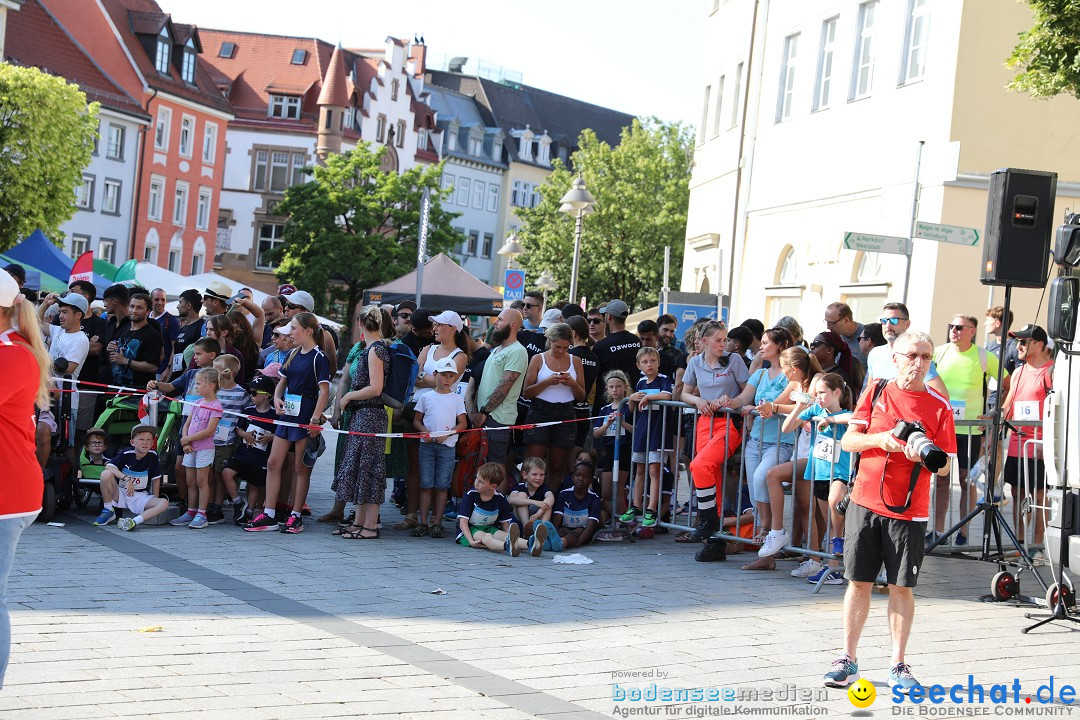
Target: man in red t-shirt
886	519
1034	378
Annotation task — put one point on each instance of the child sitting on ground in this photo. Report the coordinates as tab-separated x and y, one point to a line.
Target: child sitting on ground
530	499
248	463
132	480
484	517
577	511
648	437
441	413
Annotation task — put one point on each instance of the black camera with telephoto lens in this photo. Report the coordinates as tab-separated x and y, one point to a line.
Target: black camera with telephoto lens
914	434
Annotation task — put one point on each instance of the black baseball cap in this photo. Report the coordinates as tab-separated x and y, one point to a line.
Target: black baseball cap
16	271
1030	332
405	305
421	319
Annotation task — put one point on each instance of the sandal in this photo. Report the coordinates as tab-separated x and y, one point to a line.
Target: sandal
766	563
686	538
355	534
407	524
329	518
347	529
436	531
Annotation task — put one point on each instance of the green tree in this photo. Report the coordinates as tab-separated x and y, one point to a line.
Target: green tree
353	226
642	189
47	134
1048	55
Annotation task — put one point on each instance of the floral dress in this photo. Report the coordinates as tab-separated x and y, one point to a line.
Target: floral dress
361	475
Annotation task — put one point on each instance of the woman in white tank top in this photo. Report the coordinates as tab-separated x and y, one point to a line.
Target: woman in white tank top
447	329
554	381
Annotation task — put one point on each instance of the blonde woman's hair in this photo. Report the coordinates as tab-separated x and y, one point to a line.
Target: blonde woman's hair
24	316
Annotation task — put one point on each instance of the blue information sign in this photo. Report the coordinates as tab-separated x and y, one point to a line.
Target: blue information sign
687	315
514	285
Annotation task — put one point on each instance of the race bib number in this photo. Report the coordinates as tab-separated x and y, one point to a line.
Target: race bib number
1026	410
189	402
827	449
615	428
460	388
292	404
651	391
178	363
262	438
575	518
958	407
136	480
224	431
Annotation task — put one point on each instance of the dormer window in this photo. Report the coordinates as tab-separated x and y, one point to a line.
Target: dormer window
228	50
285	106
525	145
543	150
422	139
299	57
161	62
187	71
476	143
497	148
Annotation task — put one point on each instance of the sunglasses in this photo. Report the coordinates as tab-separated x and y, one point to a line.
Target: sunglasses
891	321
293	306
595	321
527	306
960	327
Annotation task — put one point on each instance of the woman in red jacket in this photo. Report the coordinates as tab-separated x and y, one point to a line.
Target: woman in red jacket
25	367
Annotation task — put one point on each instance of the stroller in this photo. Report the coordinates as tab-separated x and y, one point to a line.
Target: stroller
59	489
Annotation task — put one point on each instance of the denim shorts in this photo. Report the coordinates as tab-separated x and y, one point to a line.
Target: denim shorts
199	458
655	456
436	465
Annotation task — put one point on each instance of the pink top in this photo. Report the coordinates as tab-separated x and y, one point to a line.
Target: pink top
201	415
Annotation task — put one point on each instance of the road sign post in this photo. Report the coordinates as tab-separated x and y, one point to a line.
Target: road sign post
514	285
876	243
954	234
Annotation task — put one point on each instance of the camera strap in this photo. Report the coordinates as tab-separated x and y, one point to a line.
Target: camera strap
916	470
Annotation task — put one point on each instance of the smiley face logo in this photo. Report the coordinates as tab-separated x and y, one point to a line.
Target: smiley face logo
862	693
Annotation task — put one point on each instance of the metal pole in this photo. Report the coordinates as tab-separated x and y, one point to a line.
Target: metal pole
914	215
667	285
577	255
421	244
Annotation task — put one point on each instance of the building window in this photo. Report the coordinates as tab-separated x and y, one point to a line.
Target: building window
489	240
262	157
349	120
209	145
400	133
110	198
476	145
228	49
479	189
737	97
84	194
187	70
161	131
196	264
164	43
179	216
187	134
543	151
918	25
106	250
474	240
497	148
114	147
285	106
493	198
862	68
79	245
154	201
704	113
525	194
394	86
788	269
299	162
448	182
422	139
299	57
279	171
269	239
463	192
719	106
276	170
787	78
202	209
380	129
150	253
174	260
826	53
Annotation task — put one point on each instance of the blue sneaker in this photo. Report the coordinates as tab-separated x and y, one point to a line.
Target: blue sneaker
450	514
553	541
510	545
837	546
536	542
199	522
832	577
901	679
843	672
107	516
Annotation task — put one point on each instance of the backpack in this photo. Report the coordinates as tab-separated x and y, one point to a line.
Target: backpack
472	450
399	387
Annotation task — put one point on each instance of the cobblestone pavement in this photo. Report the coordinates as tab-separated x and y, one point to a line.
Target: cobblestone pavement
315	626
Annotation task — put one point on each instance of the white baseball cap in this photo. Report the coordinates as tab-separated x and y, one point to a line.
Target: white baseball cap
448	317
9	290
303	299
447	364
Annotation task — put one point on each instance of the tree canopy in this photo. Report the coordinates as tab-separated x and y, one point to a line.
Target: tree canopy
353	226
1048	54
47	134
642	190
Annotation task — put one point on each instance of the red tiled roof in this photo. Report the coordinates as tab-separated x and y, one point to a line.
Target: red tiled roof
36	39
130	19
334	91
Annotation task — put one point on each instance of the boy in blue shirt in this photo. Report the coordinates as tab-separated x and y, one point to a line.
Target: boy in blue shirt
652	387
132	480
484	517
577	511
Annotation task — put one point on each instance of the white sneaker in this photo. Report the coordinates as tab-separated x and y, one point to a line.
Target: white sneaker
774	542
808	568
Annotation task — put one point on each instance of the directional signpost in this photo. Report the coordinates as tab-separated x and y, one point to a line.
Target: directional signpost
876	243
947	233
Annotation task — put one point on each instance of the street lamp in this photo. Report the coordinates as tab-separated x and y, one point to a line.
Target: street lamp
546	283
577	203
511	249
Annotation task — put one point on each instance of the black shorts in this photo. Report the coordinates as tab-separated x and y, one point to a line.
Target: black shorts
1034	478
561	435
607	457
583	426
964	455
871	539
822	488
250	474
